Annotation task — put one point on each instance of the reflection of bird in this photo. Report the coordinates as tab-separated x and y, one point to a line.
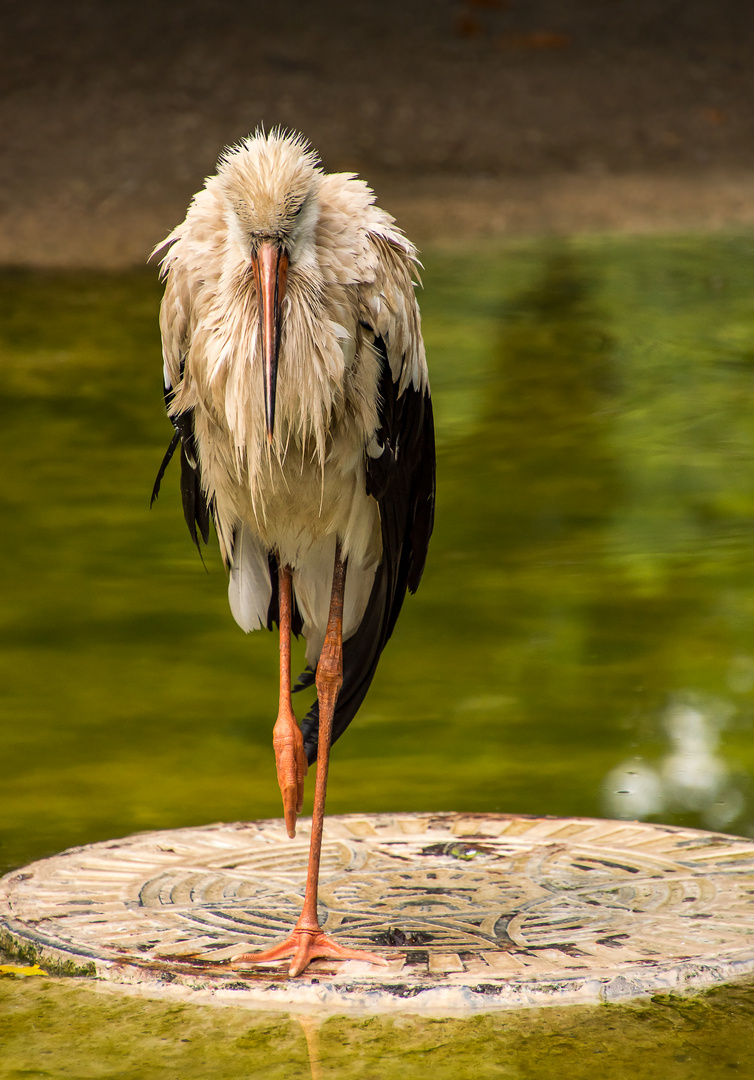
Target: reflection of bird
296	380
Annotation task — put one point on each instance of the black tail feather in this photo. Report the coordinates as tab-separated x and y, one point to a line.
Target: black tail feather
305	679
197	509
195	506
165	462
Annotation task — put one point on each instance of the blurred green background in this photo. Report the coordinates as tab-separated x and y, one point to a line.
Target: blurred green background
582	642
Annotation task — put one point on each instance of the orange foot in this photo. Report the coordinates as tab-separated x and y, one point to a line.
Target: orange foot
305	946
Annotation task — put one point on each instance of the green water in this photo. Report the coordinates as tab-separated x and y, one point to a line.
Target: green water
62	1030
582	643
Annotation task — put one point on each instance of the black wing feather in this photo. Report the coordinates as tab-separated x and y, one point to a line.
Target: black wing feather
196	508
161	471
402	480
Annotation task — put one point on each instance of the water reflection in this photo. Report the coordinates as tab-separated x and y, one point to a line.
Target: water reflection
524	501
64	1029
692	776
597	525
540	454
593	554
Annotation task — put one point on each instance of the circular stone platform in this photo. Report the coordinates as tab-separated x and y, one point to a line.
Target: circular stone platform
473	911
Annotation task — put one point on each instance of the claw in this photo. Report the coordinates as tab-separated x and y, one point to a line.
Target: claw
305	945
291	766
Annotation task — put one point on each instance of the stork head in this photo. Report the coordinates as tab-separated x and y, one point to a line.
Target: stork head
270	184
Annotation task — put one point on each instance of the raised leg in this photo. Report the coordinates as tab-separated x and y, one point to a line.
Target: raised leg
308	941
286	734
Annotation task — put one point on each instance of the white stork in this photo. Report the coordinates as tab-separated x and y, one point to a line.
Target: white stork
296	380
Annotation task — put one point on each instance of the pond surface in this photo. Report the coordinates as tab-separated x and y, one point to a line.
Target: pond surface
582	642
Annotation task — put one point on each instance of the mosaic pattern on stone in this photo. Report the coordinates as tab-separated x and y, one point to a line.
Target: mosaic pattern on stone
508	910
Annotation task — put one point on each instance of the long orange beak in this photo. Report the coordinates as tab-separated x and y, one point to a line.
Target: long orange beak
270	266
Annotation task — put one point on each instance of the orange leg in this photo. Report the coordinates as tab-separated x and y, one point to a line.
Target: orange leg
286	734
308	941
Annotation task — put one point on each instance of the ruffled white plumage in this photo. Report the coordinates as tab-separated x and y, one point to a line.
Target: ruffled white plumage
350	279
